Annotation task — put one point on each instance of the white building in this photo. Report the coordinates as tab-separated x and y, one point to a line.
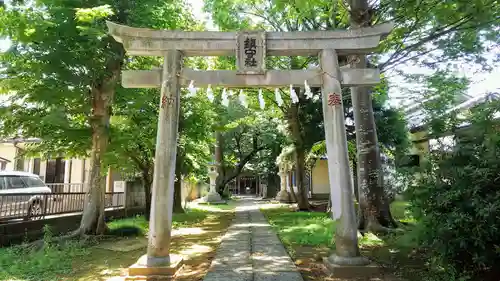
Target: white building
64	175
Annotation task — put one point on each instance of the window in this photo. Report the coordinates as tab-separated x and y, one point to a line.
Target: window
16	182
32	181
36	166
55	170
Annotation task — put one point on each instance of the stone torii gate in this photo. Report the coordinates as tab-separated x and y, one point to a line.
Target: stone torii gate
250	48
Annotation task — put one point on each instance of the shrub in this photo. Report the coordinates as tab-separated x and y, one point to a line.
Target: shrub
457	201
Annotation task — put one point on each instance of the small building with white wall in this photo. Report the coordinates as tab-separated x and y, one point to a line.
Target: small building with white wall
62	174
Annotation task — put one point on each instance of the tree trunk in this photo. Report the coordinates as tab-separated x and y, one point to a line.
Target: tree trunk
178	186
374	211
147	182
93	213
355	178
219	160
102	94
293	195
273	185
300	169
293	120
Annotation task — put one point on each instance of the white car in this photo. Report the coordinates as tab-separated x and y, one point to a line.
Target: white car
22	195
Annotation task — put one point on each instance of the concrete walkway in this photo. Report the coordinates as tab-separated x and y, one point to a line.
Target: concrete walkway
250	250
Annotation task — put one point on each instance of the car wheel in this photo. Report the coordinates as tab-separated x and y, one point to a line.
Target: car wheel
35	211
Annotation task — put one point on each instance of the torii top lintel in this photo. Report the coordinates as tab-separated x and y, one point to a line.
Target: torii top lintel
149	42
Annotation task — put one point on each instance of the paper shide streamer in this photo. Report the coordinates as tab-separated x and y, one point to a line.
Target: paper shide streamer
191	89
262	103
308	93
293	95
225	100
210	94
277	96
243	99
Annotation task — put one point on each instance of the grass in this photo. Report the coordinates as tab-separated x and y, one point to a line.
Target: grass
301	228
186	219
19	264
75	261
400	211
317	229
308	236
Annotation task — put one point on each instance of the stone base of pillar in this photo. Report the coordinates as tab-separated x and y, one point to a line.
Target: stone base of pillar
284	196
212	197
347	268
142	271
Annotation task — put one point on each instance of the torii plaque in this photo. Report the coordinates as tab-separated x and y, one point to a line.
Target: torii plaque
172	45
251	52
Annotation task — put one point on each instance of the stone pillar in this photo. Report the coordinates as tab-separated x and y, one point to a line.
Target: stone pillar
213	177
213	196
264	190
160	223
346	239
283	195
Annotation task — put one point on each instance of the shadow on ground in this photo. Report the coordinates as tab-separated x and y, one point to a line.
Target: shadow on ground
197	243
308	237
195	239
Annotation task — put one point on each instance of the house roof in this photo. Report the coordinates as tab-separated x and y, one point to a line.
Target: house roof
416	118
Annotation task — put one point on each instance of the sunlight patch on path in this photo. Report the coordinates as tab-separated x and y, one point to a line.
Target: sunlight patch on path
124	245
196	250
188	231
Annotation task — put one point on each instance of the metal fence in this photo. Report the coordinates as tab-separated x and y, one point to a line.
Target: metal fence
66	187
32	206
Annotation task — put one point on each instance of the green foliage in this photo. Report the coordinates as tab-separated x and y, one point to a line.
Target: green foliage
58	262
189	218
251	135
21	263
134	127
60	55
302	228
316	228
429	32
317	15
138	222
456	201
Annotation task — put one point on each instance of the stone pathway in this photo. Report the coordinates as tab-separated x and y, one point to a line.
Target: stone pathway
251	251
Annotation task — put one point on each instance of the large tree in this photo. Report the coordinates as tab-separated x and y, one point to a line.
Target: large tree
422	27
426	33
241	135
133	142
374	209
62	72
230	15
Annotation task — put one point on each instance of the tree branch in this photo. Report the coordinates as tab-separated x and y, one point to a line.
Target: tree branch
433	35
239	167
136	160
